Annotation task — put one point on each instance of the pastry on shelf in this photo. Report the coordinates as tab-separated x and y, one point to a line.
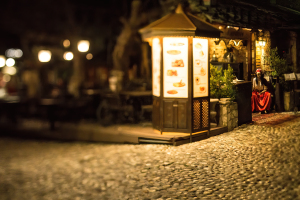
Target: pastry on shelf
201	54
202	71
172	72
177	44
198	62
198	46
202	89
174	52
179	84
172	92
178	63
197	80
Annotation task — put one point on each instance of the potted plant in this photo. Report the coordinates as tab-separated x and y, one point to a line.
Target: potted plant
280	67
221	87
221	83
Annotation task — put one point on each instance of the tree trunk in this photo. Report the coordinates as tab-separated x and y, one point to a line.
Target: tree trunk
128	47
145	72
78	75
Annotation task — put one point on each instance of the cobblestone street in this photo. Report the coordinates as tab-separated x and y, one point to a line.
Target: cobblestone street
250	162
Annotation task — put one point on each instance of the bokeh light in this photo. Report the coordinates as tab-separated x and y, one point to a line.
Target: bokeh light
18	53
66	43
9	70
44	56
89	56
9	53
2	61
6	78
10	62
68	55
83	45
14	53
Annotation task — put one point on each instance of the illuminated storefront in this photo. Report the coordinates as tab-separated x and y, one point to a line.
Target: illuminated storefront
180	70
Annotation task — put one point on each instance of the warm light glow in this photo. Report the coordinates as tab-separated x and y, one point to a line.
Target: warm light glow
6	78
68	55
9	53
236	28
2	92
220	27
237	43
14	53
66	43
10	62
44	56
262	43
83	45
9	70
18	53
89	56
247	29
2	61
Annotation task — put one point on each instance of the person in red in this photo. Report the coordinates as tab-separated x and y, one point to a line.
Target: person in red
261	96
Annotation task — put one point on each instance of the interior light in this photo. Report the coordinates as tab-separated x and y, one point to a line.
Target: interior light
261	42
83	45
2	61
44	56
68	55
10	62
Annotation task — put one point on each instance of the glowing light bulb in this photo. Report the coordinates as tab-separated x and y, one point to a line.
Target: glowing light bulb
10	62
68	55
44	56
83	45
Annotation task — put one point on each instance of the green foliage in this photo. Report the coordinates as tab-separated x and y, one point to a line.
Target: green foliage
278	64
221	83
280	67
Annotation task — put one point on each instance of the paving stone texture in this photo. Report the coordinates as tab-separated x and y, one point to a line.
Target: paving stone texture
250	162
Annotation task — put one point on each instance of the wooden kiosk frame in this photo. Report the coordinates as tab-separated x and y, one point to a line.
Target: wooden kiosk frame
180	72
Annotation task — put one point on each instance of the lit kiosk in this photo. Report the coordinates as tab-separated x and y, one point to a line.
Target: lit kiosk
180	72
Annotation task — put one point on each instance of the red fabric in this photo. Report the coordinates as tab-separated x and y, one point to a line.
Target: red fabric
261	102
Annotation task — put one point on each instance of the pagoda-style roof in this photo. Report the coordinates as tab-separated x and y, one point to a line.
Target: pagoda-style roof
180	23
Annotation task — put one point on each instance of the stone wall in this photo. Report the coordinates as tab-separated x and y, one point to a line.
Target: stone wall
228	114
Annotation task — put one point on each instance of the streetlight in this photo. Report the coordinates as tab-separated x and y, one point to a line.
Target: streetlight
44	56
2	61
83	45
10	62
68	55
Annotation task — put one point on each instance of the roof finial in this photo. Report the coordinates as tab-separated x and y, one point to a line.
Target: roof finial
179	9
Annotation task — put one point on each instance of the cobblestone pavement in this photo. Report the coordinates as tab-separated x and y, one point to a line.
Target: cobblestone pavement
250	162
